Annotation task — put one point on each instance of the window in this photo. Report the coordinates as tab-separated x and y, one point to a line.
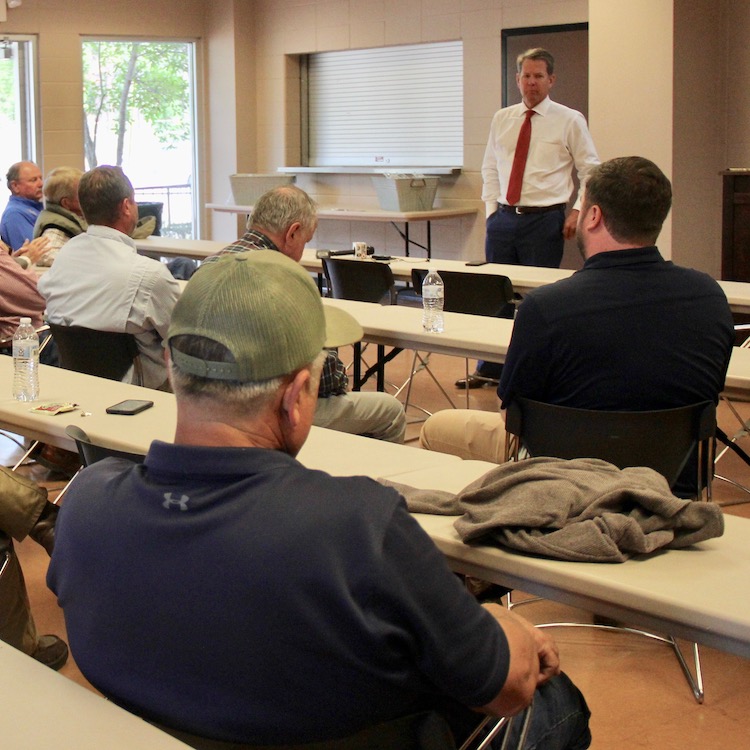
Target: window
386	107
18	136
139	113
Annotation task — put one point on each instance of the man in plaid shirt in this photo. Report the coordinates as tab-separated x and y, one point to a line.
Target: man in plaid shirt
284	219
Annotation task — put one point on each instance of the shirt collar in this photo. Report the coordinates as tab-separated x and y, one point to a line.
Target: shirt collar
169	459
109	233
628	257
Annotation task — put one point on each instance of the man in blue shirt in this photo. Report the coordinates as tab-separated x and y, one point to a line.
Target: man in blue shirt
25	184
224	590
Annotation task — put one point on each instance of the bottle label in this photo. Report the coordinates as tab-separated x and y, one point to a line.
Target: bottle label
432	292
25	349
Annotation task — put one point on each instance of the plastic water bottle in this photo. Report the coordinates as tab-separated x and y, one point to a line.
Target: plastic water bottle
433	294
25	362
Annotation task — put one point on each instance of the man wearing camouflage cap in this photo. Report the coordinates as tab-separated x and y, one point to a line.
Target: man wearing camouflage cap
222	589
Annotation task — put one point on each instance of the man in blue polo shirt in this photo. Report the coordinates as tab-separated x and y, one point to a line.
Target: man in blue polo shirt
25	204
225	590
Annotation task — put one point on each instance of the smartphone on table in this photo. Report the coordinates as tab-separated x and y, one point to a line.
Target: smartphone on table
130	406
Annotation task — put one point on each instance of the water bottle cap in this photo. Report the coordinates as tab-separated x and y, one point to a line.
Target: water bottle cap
24	320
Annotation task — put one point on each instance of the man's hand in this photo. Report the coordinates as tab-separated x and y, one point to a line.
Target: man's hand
549	656
569	228
33	250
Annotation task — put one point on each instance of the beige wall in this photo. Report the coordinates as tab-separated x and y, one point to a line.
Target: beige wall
60	26
659	69
287	28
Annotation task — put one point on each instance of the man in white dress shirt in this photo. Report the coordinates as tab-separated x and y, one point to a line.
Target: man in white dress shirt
527	226
99	281
531	230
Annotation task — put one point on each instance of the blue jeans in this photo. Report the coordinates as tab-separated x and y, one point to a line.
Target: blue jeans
559	720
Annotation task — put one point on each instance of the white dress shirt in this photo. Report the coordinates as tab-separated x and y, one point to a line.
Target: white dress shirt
560	140
99	281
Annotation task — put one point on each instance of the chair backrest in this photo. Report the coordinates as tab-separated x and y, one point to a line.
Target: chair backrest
361	280
90	452
102	353
472	293
663	440
154	209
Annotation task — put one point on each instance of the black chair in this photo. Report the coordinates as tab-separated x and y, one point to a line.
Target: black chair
101	353
485	294
154	209
363	281
90	452
664	440
472	293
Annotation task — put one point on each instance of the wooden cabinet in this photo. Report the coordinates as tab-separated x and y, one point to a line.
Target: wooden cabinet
735	236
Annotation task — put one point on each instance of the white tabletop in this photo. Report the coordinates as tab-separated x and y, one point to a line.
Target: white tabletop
41	709
339	213
690	593
524	278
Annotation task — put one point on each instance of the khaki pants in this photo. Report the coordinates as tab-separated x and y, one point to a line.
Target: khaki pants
467	433
21	503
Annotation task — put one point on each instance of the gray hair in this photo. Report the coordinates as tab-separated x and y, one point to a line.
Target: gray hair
252	397
14	172
536	53
279	208
61	182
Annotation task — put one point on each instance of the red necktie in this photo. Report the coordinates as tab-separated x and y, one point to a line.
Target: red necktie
519	160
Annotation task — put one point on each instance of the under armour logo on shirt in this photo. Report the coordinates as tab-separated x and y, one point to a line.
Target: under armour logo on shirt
170	501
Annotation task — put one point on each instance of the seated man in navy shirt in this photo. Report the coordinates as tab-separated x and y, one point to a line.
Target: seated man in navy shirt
225	590
630	331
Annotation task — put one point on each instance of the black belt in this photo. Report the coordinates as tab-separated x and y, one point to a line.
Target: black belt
530	209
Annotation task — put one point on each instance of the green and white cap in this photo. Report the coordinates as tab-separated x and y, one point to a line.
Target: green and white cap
265	309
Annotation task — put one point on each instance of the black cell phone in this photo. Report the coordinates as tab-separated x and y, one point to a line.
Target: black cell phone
382	257
131	406
477	263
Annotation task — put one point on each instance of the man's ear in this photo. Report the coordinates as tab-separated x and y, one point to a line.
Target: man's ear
592	218
292	230
293	392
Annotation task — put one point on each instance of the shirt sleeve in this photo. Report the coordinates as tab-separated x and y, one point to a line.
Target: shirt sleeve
333	379
155	300
526	369
583	151
57	238
457	646
490	175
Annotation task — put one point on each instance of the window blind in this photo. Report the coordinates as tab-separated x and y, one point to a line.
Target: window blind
386	107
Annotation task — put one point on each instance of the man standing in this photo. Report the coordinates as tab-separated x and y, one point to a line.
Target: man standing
284	219
307	607
527	173
629	331
25	184
99	281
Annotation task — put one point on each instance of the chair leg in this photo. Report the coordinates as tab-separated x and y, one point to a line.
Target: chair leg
25	456
695	681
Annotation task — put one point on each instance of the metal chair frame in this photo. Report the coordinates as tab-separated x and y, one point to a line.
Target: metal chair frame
470	293
730	443
624	439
